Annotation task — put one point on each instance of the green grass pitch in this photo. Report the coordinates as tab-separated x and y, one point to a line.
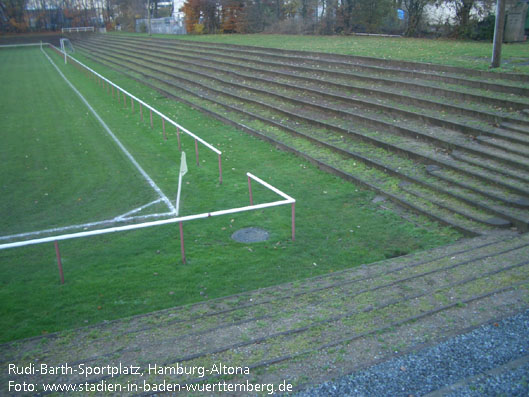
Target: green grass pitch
59	167
74	173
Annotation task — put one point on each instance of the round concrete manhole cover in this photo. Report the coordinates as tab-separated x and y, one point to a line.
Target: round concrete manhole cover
250	235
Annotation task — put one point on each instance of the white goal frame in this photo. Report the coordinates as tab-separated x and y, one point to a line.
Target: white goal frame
66	43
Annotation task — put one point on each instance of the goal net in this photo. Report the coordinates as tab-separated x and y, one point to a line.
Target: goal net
66	46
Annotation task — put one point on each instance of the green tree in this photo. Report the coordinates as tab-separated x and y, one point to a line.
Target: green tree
415	11
369	15
14	18
463	10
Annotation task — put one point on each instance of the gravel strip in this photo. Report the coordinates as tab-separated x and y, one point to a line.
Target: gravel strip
514	382
476	355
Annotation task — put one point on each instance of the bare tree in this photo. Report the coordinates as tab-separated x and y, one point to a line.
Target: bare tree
415	9
13	16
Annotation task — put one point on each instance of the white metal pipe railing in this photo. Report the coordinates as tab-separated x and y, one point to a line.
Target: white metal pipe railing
79	29
151	111
19	45
163	116
141	225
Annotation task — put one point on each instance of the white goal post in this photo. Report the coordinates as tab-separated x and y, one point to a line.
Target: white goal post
66	46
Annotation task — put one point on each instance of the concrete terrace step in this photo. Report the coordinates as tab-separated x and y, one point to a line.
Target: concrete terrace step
492	192
304	91
465	128
329	63
468	94
444	217
414	66
519	148
461	209
341	131
352	63
489	173
416	132
523	129
306	331
491	165
368	120
309	93
401	97
512	136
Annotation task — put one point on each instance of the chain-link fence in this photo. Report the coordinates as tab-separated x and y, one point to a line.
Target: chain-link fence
161	25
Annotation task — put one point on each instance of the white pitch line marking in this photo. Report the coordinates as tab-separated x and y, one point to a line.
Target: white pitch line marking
109	132
124	216
85	226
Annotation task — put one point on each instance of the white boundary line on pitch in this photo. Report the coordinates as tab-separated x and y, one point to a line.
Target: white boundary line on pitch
116	140
147	106
163	116
120	218
124	216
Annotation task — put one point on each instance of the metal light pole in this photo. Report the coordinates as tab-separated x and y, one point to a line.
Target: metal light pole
149	15
498	34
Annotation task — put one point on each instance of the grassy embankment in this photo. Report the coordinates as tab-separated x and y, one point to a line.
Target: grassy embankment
467	54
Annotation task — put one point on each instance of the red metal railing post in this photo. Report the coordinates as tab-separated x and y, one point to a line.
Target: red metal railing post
59	263
182	243
196	151
250	190
293	221
220	170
